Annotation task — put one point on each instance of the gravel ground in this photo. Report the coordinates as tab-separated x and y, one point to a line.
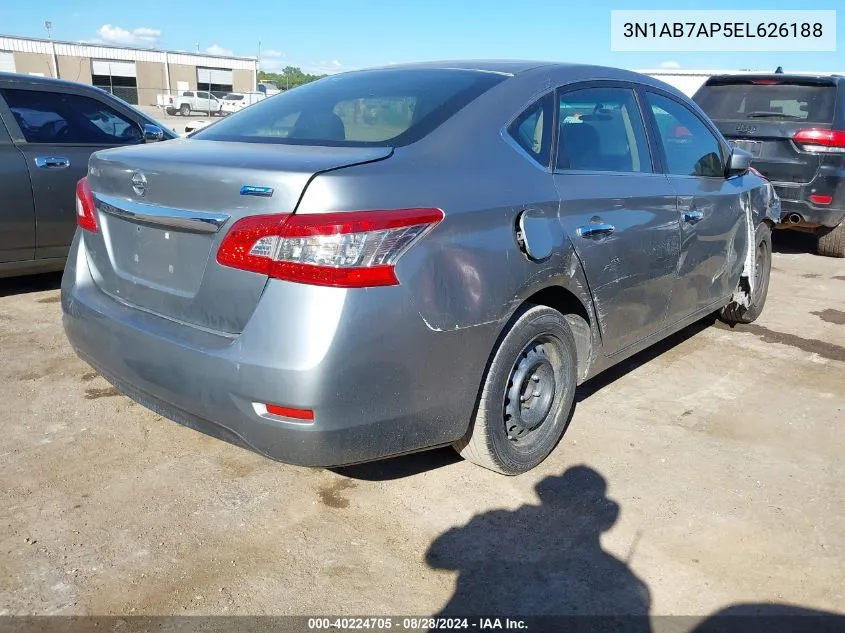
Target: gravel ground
704	473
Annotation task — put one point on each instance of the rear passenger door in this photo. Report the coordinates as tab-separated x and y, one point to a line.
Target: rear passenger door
712	222
56	131
619	212
17	213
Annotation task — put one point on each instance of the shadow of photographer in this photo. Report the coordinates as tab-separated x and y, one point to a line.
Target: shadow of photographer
543	560
544	564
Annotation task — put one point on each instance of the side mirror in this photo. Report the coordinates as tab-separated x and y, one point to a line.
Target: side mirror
738	164
152	133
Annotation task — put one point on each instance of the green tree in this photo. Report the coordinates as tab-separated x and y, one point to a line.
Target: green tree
289	77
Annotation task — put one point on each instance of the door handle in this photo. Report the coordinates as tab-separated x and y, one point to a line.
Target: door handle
693	215
596	229
52	162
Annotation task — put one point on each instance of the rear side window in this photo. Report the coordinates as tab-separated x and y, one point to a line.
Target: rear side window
532	130
377	107
54	117
776	101
601	129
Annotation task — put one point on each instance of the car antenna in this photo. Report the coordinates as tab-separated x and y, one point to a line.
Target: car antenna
779	70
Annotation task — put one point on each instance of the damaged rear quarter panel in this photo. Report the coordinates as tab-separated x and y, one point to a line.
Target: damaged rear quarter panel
469	271
468	284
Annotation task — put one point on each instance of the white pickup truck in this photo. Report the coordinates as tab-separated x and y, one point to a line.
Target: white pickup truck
189	101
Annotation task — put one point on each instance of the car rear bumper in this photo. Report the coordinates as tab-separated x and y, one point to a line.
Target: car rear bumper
379	381
796	199
809	214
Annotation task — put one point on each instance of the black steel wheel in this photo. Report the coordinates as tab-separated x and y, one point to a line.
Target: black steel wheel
531	391
528	394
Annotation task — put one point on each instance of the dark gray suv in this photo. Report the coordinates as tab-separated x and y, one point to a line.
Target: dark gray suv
48	130
794	127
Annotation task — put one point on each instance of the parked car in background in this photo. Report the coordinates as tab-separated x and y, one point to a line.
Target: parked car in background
328	290
189	101
236	101
268	88
196	124
48	130
794	127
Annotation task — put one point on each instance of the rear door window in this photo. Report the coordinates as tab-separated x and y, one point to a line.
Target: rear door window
365	108
768	99
601	129
58	118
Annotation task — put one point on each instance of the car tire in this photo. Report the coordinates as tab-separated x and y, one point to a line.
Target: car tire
170	111
538	352
736	312
832	241
185	109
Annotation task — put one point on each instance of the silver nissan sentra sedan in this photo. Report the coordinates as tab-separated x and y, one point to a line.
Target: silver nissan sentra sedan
397	259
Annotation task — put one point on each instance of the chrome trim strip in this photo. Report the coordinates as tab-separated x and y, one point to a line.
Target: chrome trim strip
193	221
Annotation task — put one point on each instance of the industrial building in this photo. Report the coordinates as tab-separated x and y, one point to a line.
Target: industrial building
136	75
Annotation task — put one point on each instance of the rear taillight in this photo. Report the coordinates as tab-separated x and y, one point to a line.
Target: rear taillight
820	199
820	140
86	216
348	250
306	415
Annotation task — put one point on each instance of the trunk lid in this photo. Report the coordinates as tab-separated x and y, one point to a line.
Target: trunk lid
762	113
163	209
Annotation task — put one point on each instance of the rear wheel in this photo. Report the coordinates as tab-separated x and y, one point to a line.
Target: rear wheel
832	241
527	396
736	312
185	109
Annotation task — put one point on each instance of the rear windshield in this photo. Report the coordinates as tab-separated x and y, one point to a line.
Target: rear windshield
782	101
366	108
233	97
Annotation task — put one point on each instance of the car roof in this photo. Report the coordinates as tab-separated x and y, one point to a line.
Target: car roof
503	66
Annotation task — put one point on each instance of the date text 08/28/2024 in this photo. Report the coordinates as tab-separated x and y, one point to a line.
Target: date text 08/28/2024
416	624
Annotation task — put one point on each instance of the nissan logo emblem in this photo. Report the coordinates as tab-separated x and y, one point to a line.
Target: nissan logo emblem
139	183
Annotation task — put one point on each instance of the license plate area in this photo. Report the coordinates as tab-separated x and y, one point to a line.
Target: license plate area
754	148
156	257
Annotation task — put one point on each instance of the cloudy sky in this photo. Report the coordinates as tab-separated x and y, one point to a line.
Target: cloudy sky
335	35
